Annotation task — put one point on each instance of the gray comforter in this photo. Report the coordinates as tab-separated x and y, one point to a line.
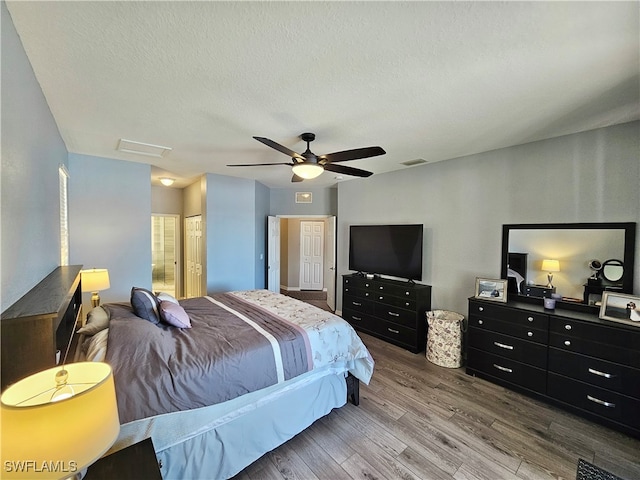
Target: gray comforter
234	347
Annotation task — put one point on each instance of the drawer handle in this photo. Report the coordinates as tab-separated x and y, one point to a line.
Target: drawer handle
380	297
502	345
529	334
393	314
356	318
393	331
407	293
357	304
366	284
381	287
406	304
530	319
567	343
601	374
504	369
567	327
601	402
366	294
481	309
480	322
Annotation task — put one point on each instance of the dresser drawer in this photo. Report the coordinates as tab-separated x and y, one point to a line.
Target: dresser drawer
509	347
392	331
508	370
597	349
600	401
511	315
609	375
396	315
395	290
401	302
509	328
358	304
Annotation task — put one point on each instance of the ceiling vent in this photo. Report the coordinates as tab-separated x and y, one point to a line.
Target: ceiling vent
411	163
129	146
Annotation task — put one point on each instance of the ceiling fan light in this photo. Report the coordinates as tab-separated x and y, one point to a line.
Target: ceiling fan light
307	170
166	181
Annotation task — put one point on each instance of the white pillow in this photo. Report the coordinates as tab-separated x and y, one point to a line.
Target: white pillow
97	350
165	297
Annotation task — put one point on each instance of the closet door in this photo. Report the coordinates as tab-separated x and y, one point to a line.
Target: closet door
193	256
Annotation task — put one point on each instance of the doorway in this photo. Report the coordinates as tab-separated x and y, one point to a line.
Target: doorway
165	248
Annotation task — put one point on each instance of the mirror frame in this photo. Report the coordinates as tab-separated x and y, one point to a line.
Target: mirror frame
628	260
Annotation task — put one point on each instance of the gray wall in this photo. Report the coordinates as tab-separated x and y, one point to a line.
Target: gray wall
110	222
463	203
283	202
166	200
261	213
230	233
32	149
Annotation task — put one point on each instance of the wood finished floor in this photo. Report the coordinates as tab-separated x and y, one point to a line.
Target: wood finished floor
420	421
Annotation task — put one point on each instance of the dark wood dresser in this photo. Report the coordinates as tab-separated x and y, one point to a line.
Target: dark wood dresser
40	324
391	310
571	359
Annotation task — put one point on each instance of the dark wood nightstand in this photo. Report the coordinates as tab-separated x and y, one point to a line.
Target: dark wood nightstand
136	462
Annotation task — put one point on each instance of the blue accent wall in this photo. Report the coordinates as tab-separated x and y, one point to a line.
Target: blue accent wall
32	150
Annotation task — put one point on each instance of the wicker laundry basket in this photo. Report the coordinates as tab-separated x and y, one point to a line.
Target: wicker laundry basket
444	338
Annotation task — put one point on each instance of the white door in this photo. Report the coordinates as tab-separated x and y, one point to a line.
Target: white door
273	254
330	262
311	255
193	256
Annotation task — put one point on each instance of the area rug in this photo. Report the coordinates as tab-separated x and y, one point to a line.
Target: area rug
588	471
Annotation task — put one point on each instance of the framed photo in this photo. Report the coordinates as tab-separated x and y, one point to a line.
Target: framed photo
620	307
491	289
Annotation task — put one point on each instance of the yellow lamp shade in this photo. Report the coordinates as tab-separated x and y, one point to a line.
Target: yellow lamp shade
550	265
45	439
95	280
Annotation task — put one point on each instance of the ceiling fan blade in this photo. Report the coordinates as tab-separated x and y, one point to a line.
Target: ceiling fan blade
280	148
354	154
296	178
259	164
356	172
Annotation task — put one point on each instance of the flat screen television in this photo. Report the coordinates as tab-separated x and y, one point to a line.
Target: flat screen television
394	250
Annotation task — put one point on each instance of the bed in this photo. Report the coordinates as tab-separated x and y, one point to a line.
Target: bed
254	369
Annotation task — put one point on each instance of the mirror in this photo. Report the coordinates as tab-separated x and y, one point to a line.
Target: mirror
613	270
591	257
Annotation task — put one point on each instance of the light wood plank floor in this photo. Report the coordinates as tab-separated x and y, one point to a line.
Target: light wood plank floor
420	421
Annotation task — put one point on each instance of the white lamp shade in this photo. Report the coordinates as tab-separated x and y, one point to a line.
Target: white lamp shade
307	170
550	265
95	280
166	181
44	439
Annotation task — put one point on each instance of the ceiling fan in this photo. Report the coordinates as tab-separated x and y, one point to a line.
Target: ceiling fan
308	165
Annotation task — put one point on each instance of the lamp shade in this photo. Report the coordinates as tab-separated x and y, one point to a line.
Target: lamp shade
307	170
550	265
56	439
95	280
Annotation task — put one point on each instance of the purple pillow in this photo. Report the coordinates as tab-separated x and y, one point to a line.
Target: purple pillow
174	315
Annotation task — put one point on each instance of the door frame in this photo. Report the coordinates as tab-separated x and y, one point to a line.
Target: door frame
178	242
330	274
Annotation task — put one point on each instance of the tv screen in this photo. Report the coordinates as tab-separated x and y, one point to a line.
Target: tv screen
394	250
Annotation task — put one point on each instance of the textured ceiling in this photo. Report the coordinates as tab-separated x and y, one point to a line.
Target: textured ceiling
429	80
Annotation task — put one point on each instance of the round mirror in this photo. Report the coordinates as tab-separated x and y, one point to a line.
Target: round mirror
612	270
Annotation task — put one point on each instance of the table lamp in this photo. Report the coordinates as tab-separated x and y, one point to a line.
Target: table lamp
93	281
550	266
57	422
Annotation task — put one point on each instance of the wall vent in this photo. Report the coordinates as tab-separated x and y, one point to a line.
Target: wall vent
129	146
411	163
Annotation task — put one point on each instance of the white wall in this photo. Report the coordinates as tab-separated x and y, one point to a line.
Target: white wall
463	203
110	222
32	149
324	201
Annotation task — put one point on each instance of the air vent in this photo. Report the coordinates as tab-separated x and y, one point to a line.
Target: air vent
411	163
129	146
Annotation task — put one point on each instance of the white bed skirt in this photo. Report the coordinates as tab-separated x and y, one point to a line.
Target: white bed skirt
218	442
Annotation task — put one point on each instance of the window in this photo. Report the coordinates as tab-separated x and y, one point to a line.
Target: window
63	176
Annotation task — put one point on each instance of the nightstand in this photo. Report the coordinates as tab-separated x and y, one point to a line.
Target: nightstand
136	462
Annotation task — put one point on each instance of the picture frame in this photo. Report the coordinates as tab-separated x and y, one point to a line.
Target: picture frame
620	307
492	289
